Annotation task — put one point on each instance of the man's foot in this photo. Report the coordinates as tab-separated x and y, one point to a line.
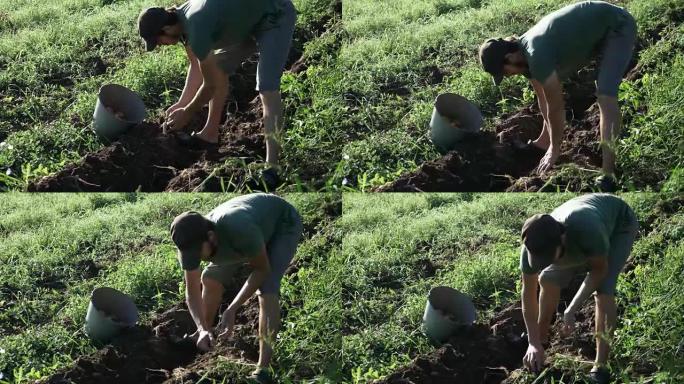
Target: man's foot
194	141
599	375
270	178
606	183
260	376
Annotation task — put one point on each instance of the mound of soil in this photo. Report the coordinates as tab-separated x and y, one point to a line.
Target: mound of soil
492	353
159	353
148	160
137	356
478	354
499	161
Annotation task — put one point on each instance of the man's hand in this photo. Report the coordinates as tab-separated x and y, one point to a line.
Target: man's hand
548	160
227	324
534	358
178	119
205	340
568	323
172	109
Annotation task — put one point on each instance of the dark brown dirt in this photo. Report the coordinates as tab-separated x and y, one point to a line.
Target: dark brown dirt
498	162
243	346
158	353
146	160
478	354
137	356
493	353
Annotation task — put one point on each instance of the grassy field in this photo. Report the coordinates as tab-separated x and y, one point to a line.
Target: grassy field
397	246
54	57
55	249
399	55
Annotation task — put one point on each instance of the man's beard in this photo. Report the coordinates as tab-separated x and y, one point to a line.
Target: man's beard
214	249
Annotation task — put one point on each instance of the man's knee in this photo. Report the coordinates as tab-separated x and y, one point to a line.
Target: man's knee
604	299
606	101
549	282
209	281
271	101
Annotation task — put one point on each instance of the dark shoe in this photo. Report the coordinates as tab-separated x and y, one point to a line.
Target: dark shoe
606	183
193	141
261	376
599	376
270	178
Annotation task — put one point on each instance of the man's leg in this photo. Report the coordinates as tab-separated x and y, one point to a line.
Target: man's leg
274	47
543	141
606	319
611	124
281	250
617	53
548	304
269	324
210	132
273	118
621	243
212	294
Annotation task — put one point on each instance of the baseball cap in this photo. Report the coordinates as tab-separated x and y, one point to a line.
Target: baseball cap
189	231
150	23
541	236
493	55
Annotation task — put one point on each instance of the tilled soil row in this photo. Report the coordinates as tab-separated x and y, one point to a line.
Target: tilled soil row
500	161
158	352
147	160
492	353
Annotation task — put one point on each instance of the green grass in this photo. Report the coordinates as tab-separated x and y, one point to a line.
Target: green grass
55	57
394	47
473	242
44	292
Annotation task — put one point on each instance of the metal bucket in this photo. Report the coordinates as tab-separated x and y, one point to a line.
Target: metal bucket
453	119
109	312
445	311
117	110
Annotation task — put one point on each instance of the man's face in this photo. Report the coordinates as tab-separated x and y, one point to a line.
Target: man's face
167	40
515	64
169	36
209	247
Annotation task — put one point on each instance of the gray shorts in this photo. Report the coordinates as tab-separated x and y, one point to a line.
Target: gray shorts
273	46
281	249
617	53
621	242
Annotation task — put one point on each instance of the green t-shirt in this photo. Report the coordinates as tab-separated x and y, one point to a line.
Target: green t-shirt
589	222
566	39
244	225
215	24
